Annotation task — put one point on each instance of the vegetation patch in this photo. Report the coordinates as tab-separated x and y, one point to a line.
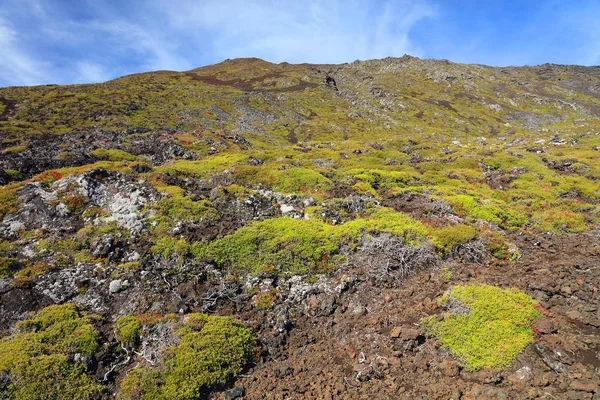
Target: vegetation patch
449	237
8	267
14	149
113	155
485	326
39	357
127	330
8	199
203	168
178	207
295	246
211	351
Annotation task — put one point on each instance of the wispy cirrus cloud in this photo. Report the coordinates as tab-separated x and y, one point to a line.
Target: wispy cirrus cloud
311	31
16	65
77	41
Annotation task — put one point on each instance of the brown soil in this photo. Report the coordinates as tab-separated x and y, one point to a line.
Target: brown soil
248	84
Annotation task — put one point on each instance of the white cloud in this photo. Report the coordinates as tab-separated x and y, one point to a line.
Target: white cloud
312	31
16	66
89	72
96	41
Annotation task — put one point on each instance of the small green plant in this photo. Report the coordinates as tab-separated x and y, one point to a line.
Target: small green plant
167	246
446	275
447	238
13	173
264	301
8	199
48	177
177	207
486	327
494	242
8	267
24	277
74	202
127	330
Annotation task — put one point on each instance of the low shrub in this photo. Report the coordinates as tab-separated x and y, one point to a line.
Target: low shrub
447	238
8	267
127	330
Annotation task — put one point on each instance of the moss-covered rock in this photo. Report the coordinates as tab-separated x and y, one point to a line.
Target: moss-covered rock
485	327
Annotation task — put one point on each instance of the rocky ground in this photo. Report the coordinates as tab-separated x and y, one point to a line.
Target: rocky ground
330	209
366	342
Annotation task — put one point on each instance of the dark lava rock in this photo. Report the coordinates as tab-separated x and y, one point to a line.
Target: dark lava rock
103	246
234	393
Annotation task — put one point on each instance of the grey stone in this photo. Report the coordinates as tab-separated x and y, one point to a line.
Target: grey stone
115	286
550	358
235	393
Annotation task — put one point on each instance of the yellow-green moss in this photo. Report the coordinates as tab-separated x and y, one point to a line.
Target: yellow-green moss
38	357
113	155
203	168
8	199
211	351
291	180
447	238
14	149
8	267
167	246
493	332
295	246
177	207
127	330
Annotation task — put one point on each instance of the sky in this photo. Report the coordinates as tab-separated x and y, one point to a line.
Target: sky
88	41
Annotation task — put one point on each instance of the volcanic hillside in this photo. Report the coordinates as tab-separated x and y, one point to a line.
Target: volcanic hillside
397	228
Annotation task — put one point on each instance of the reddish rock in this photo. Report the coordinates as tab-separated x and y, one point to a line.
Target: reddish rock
583	387
450	368
545	325
520	375
395	332
409	334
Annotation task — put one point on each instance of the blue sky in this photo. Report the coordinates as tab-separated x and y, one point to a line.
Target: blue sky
81	41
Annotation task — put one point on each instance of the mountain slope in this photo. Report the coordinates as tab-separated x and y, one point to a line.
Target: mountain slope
327	208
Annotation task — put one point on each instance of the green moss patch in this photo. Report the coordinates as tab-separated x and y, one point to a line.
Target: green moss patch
178	207
447	238
8	267
486	327
203	168
211	351
39	357
14	149
127	330
8	199
113	155
295	246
